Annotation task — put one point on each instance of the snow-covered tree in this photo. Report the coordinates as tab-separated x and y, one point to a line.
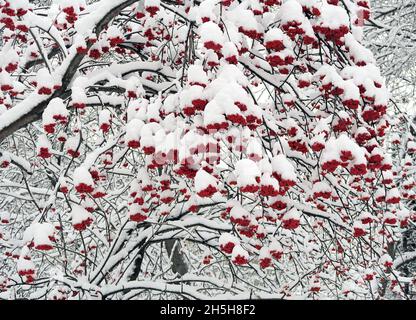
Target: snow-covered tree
391	34
197	149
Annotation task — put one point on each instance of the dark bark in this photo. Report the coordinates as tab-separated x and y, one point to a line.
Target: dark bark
137	266
179	264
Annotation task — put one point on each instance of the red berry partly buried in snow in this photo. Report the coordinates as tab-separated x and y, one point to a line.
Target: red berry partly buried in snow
81	218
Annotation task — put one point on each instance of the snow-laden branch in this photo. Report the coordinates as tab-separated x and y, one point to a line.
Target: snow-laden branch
31	108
